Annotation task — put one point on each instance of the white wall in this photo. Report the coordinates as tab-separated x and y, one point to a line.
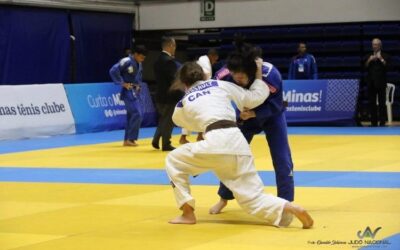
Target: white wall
233	13
122	6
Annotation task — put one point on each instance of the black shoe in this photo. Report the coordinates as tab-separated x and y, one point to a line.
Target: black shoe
168	148
155	145
382	124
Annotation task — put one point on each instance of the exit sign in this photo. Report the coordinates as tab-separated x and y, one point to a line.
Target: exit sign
207	10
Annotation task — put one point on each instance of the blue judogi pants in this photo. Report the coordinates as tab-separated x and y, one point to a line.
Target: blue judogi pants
275	129
133	118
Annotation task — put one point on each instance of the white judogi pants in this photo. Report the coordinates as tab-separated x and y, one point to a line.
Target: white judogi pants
185	132
237	172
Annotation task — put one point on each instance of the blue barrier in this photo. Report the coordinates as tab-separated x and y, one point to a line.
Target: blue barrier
321	101
97	107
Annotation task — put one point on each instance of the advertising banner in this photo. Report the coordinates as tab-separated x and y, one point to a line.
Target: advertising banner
320	101
97	106
28	111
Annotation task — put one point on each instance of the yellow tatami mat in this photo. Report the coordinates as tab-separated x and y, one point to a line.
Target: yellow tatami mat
91	216
75	216
318	153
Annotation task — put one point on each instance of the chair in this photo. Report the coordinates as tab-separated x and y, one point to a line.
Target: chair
390	29
351	30
352	45
332	46
333	61
392	45
395	61
315	31
315	47
333	30
351	61
372	29
390	88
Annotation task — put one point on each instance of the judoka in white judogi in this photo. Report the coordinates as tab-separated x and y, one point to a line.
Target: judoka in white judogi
224	151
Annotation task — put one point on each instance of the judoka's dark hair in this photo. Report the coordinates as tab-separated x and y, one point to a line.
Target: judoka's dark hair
213	52
140	49
242	59
190	73
301	42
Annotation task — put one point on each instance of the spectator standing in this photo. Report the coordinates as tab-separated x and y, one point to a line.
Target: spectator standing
376	63
303	65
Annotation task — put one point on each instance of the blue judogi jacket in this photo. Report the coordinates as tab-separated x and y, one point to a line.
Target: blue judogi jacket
129	71
274	103
303	67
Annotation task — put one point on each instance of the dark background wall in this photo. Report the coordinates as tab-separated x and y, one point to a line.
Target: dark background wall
338	48
39	45
42	45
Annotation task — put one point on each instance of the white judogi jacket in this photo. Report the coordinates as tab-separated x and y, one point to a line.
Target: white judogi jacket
209	101
205	64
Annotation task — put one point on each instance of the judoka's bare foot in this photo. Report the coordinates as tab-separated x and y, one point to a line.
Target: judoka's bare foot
217	208
187	217
300	213
183	140
130	143
200	137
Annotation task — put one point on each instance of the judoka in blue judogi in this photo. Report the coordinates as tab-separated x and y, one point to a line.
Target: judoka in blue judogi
128	73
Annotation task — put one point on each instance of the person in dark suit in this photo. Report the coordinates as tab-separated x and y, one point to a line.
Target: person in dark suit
165	70
376	64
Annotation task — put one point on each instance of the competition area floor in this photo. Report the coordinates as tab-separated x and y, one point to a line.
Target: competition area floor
89	192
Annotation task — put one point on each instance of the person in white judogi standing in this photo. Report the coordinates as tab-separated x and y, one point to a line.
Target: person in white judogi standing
207	108
206	62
